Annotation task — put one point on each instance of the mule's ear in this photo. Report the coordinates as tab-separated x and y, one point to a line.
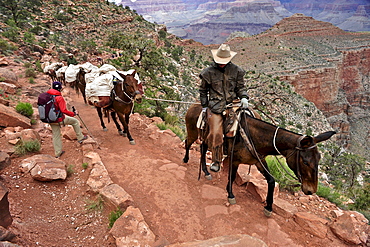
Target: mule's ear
306	142
324	136
133	73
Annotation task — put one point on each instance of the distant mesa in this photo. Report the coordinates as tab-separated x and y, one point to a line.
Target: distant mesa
213	21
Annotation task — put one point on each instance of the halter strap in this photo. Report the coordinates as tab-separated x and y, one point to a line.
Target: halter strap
274	140
117	98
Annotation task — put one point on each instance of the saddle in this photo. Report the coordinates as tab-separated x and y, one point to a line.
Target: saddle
231	118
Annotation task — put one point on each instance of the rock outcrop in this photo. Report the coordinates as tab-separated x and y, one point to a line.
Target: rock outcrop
341	88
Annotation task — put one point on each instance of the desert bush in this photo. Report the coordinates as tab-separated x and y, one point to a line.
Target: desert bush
85	165
31	146
113	216
70	170
5	46
330	194
38	66
30	72
175	129
95	205
24	108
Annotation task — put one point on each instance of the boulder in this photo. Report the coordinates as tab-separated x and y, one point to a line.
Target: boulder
5	235
54	169
4	160
44	167
239	240
69	133
351	227
4	61
131	229
117	195
29	135
99	177
258	188
5	216
8	87
243	175
312	224
11	135
9	76
9	117
284	208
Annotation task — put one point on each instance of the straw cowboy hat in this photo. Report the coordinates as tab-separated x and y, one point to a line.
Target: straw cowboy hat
223	55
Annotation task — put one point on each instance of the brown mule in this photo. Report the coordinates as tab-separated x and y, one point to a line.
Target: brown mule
254	140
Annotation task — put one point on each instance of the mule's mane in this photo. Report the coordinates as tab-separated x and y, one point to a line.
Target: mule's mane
272	125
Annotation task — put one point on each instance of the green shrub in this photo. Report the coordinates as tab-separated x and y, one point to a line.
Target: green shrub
31	146
96	205
29	37
70	169
5	46
330	194
27	65
24	108
85	165
30	72
38	66
113	216
175	129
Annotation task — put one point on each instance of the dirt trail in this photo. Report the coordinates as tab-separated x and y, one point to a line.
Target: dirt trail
178	207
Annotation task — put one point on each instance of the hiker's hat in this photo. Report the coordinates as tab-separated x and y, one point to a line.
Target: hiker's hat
223	54
57	85
70	55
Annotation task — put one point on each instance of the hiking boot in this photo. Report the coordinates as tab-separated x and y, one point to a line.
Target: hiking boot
82	140
61	153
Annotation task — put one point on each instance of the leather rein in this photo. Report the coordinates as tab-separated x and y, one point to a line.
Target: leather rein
297	150
246	138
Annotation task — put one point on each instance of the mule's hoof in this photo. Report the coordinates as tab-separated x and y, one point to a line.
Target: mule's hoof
215	167
267	213
132	142
232	200
208	177
105	129
120	132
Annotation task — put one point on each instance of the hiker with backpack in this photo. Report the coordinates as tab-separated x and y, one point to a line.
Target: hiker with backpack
56	106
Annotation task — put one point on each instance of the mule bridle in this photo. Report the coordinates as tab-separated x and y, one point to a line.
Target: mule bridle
117	98
297	150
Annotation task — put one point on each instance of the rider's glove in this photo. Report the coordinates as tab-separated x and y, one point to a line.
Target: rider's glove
244	103
204	109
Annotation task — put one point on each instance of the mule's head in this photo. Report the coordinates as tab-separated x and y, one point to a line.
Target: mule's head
131	87
304	161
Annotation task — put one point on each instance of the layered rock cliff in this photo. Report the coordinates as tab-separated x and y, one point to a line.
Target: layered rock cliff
340	86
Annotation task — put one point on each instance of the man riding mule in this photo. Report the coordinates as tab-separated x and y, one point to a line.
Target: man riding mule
221	84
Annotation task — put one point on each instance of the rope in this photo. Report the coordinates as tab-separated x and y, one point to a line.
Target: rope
172	101
274	140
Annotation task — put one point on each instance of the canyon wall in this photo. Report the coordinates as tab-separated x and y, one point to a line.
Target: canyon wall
342	93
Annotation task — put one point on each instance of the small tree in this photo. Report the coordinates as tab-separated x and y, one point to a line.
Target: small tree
19	10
